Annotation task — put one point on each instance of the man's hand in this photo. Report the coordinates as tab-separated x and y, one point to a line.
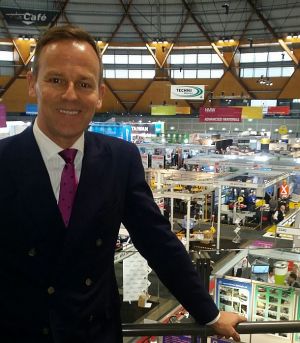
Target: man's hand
225	326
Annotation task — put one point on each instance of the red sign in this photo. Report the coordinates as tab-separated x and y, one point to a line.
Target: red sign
281	110
2	116
220	114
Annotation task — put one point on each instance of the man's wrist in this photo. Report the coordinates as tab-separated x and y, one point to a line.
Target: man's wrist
214	320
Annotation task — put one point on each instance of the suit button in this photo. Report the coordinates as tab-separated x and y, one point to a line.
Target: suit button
88	282
98	242
45	331
32	252
50	290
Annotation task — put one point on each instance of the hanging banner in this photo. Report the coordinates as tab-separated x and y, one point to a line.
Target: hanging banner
255	112
183	110
220	114
2	115
163	110
17	16
187	92
278	110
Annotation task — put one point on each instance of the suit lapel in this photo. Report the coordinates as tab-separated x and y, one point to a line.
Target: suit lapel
42	211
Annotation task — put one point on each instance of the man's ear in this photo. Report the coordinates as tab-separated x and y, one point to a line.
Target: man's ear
31	80
101	95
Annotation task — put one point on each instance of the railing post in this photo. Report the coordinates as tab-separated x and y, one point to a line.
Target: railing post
204	269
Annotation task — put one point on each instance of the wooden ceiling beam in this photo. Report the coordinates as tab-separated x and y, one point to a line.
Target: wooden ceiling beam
115	95
126	9
199	25
229	66
141	95
272	31
262	19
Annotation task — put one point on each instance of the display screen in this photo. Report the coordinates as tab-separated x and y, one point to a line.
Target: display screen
260	269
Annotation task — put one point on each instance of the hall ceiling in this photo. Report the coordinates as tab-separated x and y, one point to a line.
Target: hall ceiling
180	22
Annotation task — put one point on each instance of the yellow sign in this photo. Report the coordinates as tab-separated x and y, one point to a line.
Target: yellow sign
254	112
163	110
183	110
283	130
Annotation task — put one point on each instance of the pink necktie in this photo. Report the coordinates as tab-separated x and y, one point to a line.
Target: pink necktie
68	185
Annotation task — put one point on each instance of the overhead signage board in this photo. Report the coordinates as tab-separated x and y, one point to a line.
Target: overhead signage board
2	116
163	110
252	112
16	16
220	114
183	110
187	92
278	110
147	128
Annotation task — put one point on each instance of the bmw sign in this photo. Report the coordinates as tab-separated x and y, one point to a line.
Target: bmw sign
187	92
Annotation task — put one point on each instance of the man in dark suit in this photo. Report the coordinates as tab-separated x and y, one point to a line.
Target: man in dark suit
57	271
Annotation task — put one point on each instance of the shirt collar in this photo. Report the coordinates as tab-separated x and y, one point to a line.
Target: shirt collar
50	149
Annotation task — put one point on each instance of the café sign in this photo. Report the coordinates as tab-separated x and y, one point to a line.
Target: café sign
14	16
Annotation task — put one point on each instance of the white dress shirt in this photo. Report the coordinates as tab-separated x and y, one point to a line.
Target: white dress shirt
53	161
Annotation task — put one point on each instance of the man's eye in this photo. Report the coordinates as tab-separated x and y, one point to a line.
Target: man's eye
55	80
84	85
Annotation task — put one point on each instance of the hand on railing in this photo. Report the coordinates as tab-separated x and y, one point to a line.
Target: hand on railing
225	326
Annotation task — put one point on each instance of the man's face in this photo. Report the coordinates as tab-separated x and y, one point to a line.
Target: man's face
67	90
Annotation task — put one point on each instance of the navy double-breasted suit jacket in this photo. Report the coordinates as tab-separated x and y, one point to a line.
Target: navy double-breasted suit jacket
57	284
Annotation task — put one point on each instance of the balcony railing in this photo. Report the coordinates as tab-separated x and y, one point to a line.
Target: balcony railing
178	329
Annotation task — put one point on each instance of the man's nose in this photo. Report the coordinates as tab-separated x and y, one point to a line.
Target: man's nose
70	92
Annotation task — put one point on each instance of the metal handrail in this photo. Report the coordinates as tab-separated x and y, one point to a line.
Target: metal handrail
178	329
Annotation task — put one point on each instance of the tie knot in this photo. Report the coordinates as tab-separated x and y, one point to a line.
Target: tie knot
68	155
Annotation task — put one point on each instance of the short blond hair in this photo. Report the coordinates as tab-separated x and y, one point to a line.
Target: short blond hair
60	33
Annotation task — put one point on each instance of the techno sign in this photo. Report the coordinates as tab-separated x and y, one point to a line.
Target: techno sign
15	16
187	92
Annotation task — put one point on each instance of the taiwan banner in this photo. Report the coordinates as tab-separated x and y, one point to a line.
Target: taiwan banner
220	114
2	116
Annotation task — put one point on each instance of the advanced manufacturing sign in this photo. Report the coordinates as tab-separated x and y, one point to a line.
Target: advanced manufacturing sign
187	92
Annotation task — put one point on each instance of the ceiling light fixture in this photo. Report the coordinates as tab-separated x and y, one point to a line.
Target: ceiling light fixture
264	81
226	7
